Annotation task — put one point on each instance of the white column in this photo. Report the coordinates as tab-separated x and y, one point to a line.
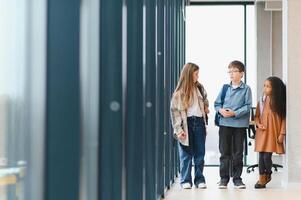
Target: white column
264	44
292	76
277	67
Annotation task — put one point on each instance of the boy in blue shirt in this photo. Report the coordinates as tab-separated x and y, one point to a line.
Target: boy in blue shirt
234	118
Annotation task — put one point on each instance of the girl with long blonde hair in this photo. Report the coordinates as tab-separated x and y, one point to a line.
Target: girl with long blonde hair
189	108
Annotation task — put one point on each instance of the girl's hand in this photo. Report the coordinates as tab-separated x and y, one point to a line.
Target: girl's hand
280	138
182	135
260	126
206	110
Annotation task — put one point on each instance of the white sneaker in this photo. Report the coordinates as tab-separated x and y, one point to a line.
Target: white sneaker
186	186
202	185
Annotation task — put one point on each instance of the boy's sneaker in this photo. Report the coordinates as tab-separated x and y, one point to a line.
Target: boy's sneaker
186	186
222	185
239	185
202	185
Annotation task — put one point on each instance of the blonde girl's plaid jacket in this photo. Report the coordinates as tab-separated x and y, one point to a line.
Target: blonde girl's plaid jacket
179	114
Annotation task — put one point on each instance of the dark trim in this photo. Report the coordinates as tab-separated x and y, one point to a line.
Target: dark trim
245	42
221	3
245	76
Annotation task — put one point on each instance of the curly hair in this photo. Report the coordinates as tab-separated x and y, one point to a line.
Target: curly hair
278	96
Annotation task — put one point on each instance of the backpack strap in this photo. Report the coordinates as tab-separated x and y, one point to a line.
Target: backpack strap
224	91
201	89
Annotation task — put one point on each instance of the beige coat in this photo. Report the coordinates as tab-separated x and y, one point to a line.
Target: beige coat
179	114
266	140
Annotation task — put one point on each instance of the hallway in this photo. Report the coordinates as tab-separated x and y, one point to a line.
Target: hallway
274	189
86	87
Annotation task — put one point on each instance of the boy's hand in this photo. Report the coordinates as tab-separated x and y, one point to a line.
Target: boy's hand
181	136
280	138
226	112
230	113
222	112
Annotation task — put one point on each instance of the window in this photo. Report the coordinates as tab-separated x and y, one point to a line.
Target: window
22	99
215	35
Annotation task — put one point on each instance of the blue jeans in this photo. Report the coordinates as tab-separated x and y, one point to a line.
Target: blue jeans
195	151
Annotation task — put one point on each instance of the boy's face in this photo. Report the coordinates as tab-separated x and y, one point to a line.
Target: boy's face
235	74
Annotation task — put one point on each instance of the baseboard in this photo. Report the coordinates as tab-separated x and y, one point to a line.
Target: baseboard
293	185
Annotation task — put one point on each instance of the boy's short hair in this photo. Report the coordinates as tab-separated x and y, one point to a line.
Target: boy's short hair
237	64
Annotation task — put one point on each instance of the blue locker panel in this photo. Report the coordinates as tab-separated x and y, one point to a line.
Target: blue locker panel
62	106
111	113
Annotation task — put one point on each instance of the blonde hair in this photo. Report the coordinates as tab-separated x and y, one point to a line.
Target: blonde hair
186	85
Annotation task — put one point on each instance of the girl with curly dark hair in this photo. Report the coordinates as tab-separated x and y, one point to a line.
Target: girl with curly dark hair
270	123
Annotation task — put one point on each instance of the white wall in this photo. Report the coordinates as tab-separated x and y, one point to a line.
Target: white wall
277	43
264	43
292	72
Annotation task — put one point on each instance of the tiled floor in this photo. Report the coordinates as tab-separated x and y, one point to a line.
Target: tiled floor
274	190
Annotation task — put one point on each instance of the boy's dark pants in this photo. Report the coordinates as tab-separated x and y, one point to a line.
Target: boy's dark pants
227	147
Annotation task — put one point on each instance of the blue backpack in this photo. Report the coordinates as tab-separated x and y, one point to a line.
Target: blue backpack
217	114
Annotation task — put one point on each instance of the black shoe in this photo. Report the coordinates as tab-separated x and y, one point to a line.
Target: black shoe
259	186
238	184
222	185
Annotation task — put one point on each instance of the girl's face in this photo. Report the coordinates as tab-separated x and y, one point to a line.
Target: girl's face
195	76
267	88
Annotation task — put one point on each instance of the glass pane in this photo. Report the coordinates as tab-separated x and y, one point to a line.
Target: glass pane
89	98
22	83
214	37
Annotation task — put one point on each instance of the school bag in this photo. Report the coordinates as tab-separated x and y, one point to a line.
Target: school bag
217	114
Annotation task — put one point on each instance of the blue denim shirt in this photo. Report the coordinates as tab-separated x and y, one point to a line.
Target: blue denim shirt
240	101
